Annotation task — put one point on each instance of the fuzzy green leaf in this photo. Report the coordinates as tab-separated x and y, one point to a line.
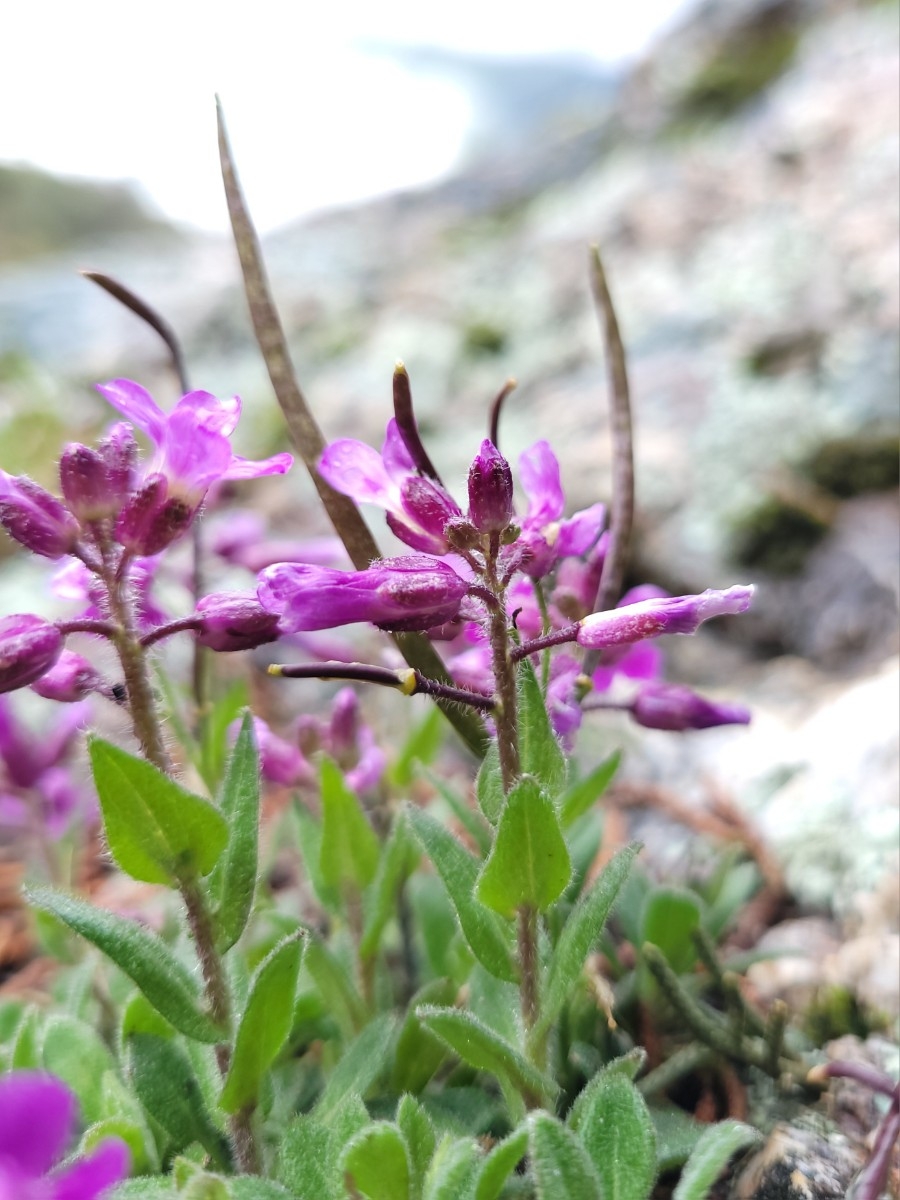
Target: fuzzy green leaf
581	931
583	794
233	881
618	1134
489	785
350	849
307	1158
529	863
711	1155
376	1163
75	1052
165	981
488	940
485	1050
168	1089
471	820
668	920
157	831
540	750
629	1065
500	1163
397	860
415	1125
264	1026
419	1053
335	986
420	748
559	1163
361	1064
451	1175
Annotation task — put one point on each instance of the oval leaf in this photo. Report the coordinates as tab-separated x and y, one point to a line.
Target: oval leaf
500	1163
376	1163
264	1026
618	1134
559	1163
350	849
529	863
157	831
233	881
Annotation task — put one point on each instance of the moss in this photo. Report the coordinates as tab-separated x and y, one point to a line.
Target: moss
853	465
741	66
836	1011
776	537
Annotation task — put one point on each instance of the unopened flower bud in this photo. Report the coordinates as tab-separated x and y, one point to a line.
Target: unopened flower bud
490	490
462	534
152	519
119	452
653	617
33	517
234	621
70	678
671	706
29	646
84	483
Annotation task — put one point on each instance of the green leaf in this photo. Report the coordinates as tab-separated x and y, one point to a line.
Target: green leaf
489	785
335	986
165	981
559	1163
233	881
421	747
629	1065
157	831
473	822
451	1175
264	1026
135	1135
580	933
75	1052
540	751
350	849
361	1064
584	793
710	1157
148	1187
677	1133
309	837
167	1087
224	712
254	1187
307	1158
458	869
419	1053
415	1125
397	860
668	920
618	1134
376	1163
529	863
485	1050
500	1163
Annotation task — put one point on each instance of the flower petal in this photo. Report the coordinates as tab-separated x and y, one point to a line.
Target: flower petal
357	470
36	1116
135	403
248	468
539	473
90	1178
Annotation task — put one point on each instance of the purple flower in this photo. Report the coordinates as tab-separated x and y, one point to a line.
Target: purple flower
97	482
544	532
280	762
29	646
70	678
348	740
37	1118
234	621
412	592
192	452
417	508
40	522
653	617
490	490
242	538
34	774
671	706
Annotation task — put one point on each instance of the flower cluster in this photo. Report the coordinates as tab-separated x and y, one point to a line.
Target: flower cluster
115	517
540	569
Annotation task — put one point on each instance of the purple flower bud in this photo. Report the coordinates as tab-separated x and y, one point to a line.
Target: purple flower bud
119	452
29	646
490	490
653	617
70	678
97	482
35	518
411	592
425	509
234	621
152	519
671	706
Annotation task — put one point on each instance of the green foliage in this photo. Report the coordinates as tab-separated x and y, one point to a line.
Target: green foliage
348	856
157	831
618	1134
718	1144
529	862
559	1163
376	1163
539	748
233	879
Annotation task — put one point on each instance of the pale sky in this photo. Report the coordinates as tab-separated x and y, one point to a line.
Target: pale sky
117	90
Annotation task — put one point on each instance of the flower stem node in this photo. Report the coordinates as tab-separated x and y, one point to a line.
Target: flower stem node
29	646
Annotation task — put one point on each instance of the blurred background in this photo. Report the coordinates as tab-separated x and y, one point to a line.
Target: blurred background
428	182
